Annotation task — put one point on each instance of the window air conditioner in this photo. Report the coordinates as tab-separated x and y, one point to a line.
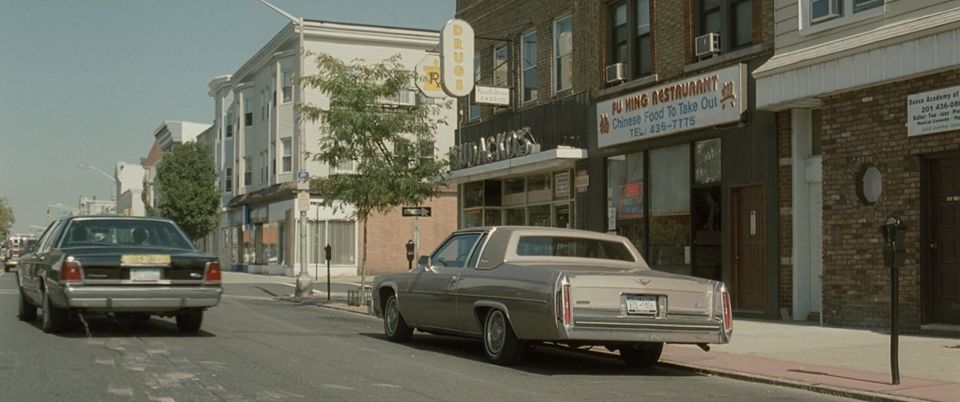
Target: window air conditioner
707	44
616	72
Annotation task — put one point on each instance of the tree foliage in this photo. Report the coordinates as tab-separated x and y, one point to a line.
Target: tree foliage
187	188
390	144
6	218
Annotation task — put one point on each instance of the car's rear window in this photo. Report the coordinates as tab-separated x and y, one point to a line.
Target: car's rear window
554	246
124	233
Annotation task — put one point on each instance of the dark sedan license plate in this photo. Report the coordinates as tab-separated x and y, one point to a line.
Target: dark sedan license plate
145	274
641	304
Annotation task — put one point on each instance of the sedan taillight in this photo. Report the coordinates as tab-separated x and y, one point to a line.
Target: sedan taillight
212	273
727	312
567	308
71	271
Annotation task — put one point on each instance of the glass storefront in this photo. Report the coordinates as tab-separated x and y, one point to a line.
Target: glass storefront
674	223
542	199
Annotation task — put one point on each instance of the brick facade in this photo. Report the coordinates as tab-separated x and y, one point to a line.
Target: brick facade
390	232
862	128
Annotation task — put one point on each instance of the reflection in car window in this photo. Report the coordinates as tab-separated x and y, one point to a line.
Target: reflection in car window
454	252
572	247
124	233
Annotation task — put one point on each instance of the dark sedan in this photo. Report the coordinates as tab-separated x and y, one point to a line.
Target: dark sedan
126	266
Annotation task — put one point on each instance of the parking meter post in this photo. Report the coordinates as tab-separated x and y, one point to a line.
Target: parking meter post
327	250
410	252
894	253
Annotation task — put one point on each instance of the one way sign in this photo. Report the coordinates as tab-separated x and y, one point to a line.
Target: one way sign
415	211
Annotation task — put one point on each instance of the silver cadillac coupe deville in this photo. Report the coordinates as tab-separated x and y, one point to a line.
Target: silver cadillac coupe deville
514	286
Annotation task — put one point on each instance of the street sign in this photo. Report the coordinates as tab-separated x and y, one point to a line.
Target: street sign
303	175
415	211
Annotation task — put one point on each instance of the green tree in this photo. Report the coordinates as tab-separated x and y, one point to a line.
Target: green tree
187	188
6	218
390	144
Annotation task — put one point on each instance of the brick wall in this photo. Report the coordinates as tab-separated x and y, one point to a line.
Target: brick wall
390	232
784	191
861	128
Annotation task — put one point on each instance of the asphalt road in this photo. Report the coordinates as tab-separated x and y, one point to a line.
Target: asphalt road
255	348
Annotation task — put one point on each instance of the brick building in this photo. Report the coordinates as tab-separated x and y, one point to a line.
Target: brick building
868	102
638	131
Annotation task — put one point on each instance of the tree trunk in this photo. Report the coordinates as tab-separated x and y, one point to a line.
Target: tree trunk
363	264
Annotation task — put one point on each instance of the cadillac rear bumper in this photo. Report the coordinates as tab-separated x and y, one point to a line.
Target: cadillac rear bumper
660	331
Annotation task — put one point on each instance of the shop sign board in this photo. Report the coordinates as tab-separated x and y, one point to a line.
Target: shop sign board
562	187
428	76
456	58
697	102
934	111
505	145
582	181
496	96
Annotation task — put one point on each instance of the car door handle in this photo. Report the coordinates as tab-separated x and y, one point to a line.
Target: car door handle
453	283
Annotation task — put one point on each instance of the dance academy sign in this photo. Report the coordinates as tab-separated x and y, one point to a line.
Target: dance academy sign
697	102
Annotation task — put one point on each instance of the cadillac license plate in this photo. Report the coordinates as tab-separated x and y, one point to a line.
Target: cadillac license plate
641	304
145	274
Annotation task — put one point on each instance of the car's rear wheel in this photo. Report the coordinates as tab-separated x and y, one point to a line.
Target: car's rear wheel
54	318
500	343
641	355
394	325
189	322
26	311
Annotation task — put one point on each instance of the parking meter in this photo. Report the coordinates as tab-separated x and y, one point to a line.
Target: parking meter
894	243
327	251
894	255
410	247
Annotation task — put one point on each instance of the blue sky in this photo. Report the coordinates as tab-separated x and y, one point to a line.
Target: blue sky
88	81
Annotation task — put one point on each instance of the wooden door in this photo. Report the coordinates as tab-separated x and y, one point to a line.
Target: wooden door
944	283
749	276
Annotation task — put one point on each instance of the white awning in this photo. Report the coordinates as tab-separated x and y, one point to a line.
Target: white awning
544	161
898	50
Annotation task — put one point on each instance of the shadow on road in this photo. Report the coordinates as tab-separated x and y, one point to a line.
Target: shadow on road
548	360
101	326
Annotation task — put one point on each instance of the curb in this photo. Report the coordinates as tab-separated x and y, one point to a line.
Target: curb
822	389
320	304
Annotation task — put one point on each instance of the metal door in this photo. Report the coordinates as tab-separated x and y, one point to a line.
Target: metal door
749	276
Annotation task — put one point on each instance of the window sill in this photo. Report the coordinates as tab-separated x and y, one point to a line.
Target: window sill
723	58
628	85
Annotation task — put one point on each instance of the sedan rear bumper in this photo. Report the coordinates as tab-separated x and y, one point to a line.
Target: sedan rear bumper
652	332
140	299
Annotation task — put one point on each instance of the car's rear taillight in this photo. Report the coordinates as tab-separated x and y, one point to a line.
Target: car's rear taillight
212	273
567	309
727	312
71	271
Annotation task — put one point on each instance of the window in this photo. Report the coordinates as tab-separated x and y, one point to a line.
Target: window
247	172
627	201
731	19
528	55
825	14
501	70
228	180
474	111
287	154
229	124
548	246
426	151
707	160
343	240
248	119
455	252
669	223
287	86
563	53
632	47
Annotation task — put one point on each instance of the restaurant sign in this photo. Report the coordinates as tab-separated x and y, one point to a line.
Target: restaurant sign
706	100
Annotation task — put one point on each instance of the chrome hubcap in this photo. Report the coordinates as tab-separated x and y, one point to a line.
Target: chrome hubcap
392	316
494	333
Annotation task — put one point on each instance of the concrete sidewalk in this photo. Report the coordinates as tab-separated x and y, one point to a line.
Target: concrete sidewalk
848	362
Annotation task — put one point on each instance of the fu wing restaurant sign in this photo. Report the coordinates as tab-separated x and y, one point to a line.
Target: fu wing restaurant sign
693	103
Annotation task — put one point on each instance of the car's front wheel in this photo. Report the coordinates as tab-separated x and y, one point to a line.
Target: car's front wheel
500	343
641	355
26	311
189	322
394	325
54	318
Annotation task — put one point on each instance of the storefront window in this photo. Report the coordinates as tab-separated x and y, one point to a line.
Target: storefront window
473	218
561	216
515	216
249	249
270	240
538	183
317	238
513	186
540	215
707	158
342	235
473	194
491	217
670	209
625	198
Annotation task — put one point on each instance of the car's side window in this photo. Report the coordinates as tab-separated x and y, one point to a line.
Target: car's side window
48	236
455	252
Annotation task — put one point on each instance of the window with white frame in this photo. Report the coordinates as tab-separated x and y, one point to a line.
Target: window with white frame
228	180
229	124
825	14
563	54
247	171
474	111
528	75
287	160
287	86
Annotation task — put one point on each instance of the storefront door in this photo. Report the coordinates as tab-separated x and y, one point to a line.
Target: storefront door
944	283
749	278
